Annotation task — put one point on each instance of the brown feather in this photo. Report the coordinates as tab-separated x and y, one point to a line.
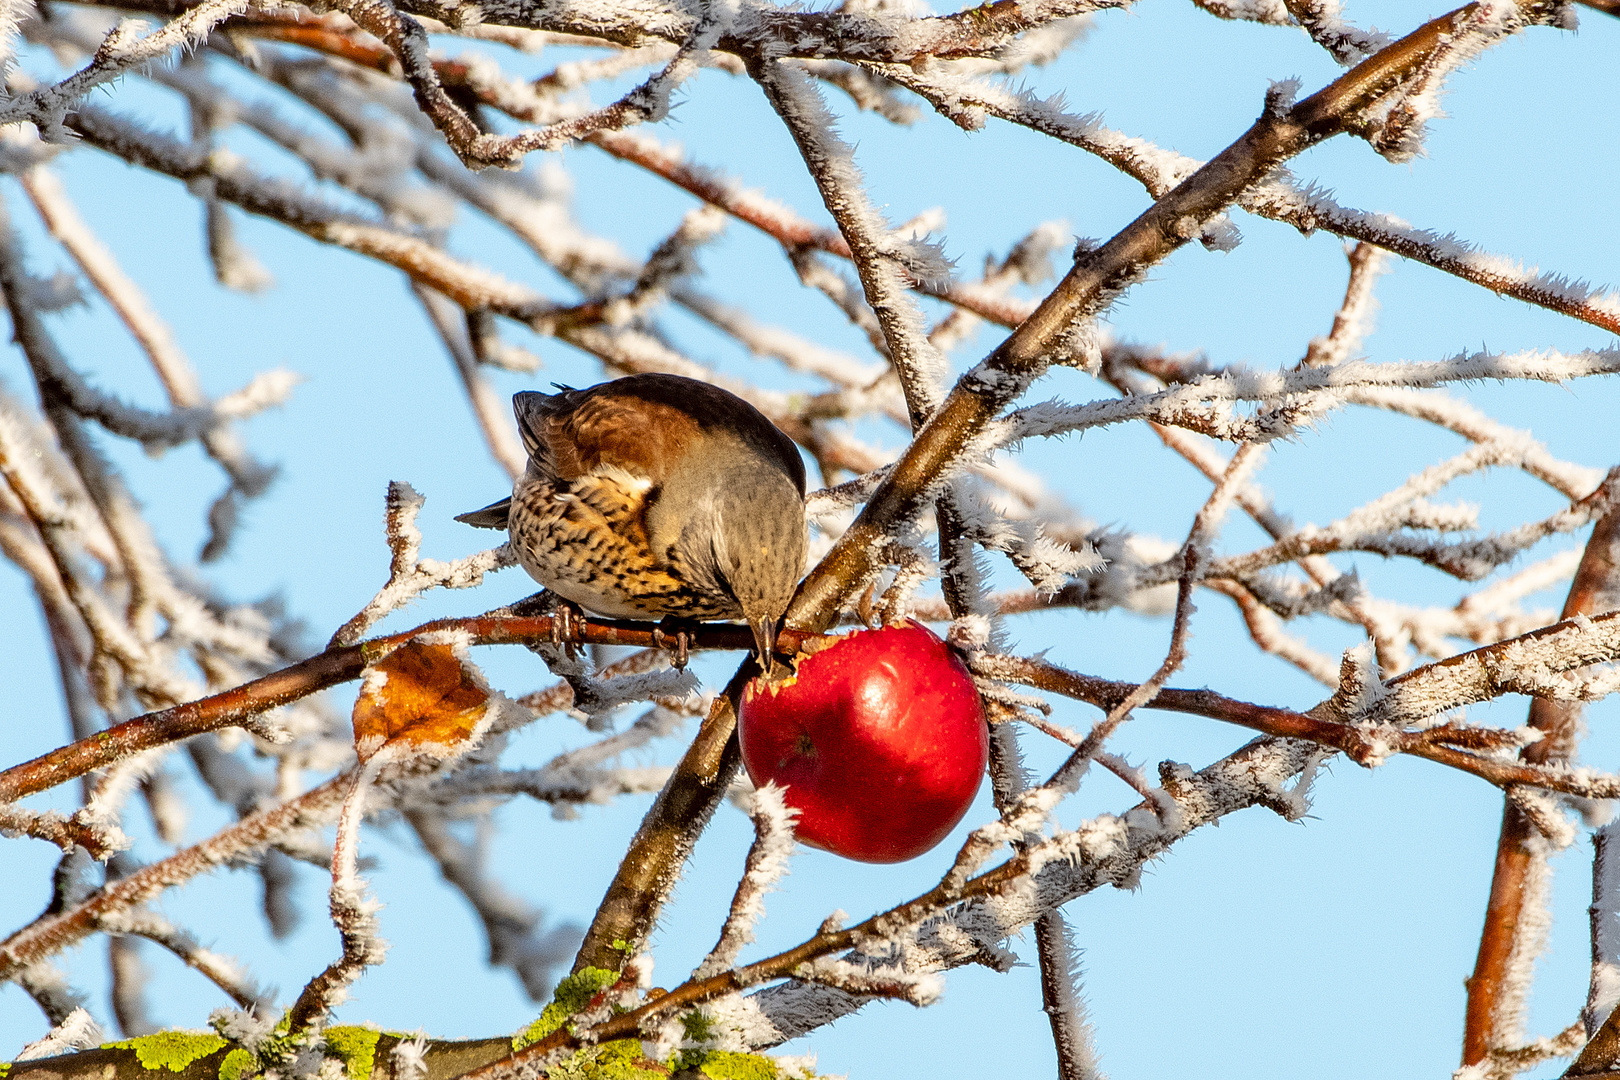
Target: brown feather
646	424
642	437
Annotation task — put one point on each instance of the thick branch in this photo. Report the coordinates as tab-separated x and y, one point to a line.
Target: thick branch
1505	948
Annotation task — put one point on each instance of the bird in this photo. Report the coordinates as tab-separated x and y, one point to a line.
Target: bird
654	496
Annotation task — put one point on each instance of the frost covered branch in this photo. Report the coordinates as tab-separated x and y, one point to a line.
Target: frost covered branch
884	261
470	286
343	664
1516	914
993	905
1291	398
222	971
1307	207
65	832
408	573
52	933
767	862
353	913
123	49
1365	736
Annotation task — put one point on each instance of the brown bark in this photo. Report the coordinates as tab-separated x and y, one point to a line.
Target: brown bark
1593	590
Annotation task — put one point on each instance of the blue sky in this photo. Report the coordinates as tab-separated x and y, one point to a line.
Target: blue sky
1336	946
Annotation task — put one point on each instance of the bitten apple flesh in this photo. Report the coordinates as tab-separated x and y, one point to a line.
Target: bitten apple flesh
879	739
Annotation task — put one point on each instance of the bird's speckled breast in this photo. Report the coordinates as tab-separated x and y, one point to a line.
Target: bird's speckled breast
586	540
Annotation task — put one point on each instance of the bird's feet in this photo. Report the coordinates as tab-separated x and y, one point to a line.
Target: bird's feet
567	626
682	632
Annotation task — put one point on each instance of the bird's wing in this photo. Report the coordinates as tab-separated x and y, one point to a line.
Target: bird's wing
625	432
645	424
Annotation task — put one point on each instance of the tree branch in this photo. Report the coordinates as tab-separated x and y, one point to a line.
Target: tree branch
237	707
1509	943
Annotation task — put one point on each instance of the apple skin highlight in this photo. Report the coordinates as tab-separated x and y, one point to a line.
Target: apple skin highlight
879	739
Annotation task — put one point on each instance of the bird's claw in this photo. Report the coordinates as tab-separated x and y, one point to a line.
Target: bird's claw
683	643
567	627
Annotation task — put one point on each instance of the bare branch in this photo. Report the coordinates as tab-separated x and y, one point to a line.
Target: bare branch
767	862
1516	918
52	933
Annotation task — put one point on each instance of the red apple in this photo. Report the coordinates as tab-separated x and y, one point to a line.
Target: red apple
879	739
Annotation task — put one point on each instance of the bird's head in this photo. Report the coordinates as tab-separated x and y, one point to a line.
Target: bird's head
760	554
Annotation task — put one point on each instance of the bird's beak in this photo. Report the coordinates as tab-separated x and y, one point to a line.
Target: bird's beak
765	642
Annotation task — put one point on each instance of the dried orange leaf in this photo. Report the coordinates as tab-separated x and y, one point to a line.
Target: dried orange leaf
420	696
